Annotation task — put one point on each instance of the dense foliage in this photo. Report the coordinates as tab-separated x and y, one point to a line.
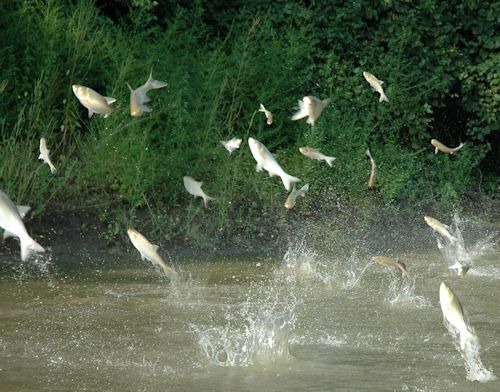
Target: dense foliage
439	61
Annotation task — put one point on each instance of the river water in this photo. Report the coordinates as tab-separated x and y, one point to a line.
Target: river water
299	321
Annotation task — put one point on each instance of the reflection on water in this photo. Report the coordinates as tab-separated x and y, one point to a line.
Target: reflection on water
246	324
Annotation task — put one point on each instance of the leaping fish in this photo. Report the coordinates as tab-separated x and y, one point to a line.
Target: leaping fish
371	180
439	227
44	155
310	107
139	96
149	252
194	188
93	101
376	85
390	262
292	198
441	147
266	161
23	211
269	115
453	314
231	145
315	153
10	220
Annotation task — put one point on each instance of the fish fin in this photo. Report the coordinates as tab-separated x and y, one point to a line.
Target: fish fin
23	210
155	247
383	98
436	150
381	81
52	168
29	245
287	180
329	160
41	157
301	113
325	102
262	108
146	109
110	100
129	87
310	121
143	256
90	113
258	167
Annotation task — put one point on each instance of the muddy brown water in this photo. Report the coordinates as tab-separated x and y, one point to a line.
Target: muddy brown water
294	322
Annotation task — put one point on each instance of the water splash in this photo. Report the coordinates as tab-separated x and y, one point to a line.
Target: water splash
402	291
475	370
456	254
354	269
300	261
262	339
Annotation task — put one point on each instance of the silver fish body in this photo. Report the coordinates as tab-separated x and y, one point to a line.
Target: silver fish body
373	173
93	101
441	147
439	227
149	252
292	197
310	107
268	114
376	84
139	96
11	221
44	155
316	154
390	262
266	161
231	145
193	187
453	313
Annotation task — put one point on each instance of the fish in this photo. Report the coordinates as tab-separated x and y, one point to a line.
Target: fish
441	147
232	144
93	101
268	114
44	155
23	211
310	107
453	314
139	96
11	221
194	188
376	85
266	161
292	198
371	180
390	262
149	252
439	227
314	153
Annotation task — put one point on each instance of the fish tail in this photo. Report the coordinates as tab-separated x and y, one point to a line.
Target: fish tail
52	168
288	180
29	245
155	84
383	97
206	199
329	160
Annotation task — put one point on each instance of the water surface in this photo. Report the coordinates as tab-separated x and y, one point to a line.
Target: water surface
288	323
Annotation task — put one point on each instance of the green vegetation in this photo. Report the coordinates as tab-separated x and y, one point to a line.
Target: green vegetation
439	61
